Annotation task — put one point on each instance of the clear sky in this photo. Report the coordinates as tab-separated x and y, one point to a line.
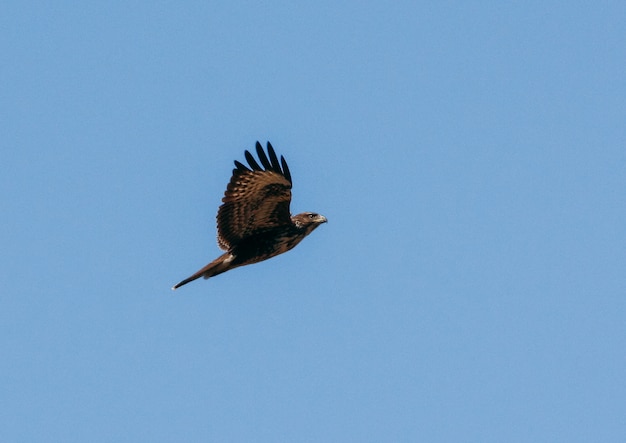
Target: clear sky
470	285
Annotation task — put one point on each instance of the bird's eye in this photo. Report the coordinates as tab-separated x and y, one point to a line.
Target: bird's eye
311	215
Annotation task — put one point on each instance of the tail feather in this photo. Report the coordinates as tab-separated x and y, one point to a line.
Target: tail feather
217	266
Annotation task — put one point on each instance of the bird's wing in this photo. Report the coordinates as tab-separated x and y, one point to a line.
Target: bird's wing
256	199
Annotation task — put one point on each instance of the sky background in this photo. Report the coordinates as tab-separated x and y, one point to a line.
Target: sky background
470	285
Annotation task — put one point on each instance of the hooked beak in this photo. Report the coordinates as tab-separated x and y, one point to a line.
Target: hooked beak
322	219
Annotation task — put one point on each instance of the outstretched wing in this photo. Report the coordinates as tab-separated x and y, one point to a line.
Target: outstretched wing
256	199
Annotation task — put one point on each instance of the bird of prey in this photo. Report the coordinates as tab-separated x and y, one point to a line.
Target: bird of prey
254	222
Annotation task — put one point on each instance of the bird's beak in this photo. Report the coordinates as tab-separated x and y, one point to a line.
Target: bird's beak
322	219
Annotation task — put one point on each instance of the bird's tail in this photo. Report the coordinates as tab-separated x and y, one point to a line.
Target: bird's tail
217	266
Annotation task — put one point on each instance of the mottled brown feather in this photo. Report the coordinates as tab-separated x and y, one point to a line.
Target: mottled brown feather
254	201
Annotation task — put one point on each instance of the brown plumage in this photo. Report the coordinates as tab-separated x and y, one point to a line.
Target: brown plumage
254	222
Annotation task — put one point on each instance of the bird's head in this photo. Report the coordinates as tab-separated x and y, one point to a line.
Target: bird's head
308	221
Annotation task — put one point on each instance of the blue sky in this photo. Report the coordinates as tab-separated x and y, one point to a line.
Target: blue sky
469	286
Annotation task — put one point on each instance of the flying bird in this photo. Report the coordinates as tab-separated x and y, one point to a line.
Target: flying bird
254	222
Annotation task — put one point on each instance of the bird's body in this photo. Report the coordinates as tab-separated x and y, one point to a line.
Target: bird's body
254	222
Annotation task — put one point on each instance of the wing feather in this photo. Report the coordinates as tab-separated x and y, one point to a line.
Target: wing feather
240	166
286	172
255	200
273	158
264	161
252	162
